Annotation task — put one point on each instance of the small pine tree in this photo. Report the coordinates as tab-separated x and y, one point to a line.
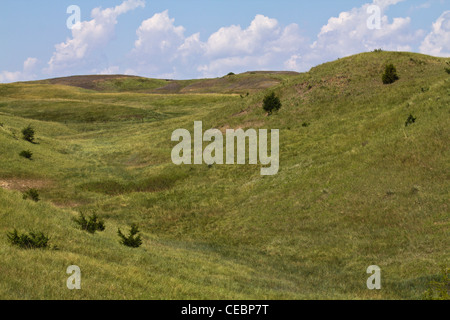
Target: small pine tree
28	134
27	154
33	240
33	194
390	74
133	240
271	103
411	119
90	225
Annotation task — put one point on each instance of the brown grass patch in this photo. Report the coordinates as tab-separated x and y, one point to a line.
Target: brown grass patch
24	184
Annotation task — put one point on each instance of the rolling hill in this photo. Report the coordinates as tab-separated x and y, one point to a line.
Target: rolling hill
356	186
232	83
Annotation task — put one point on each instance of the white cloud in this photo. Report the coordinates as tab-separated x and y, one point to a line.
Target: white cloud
162	48
29	65
437	42
233	41
157	45
8	76
110	70
88	37
27	73
263	45
349	34
158	34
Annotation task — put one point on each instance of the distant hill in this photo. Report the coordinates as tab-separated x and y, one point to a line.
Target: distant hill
238	84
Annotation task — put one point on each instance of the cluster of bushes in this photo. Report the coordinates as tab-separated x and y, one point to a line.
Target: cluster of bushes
91	224
33	240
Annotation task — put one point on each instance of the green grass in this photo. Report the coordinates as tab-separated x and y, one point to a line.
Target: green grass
355	187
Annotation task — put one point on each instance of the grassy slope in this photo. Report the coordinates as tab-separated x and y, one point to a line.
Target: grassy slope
231	84
355	188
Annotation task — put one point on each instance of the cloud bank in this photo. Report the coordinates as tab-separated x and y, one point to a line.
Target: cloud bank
163	50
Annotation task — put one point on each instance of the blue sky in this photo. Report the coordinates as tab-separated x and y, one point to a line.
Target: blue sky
208	38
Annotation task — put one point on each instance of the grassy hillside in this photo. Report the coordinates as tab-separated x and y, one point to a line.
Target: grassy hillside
232	83
356	187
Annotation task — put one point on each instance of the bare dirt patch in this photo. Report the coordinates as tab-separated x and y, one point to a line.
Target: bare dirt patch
24	184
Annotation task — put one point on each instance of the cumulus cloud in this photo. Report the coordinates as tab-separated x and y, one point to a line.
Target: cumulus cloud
88	37
162	48
27	73
158	40
263	45
349	33
437	42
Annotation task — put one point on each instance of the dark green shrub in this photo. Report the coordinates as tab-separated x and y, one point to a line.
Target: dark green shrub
271	103
390	74
230	74
439	290
33	240
133	240
28	134
410	120
92	224
448	69
26	154
32	194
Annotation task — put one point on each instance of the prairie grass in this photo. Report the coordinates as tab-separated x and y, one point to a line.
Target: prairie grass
355	187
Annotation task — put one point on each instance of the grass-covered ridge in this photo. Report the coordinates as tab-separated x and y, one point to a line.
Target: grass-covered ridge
356	187
230	84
